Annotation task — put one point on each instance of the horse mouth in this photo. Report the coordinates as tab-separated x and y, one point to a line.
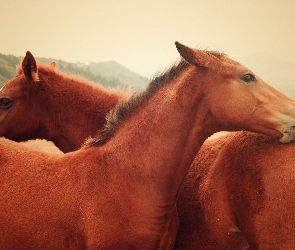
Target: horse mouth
288	136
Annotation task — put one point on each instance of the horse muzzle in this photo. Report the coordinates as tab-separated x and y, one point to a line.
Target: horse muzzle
288	136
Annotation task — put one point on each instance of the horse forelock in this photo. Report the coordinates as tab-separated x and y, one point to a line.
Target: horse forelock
137	99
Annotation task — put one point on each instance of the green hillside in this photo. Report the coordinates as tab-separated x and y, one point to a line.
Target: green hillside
108	74
8	65
114	70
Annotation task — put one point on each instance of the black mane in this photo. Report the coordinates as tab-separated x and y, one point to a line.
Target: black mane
124	109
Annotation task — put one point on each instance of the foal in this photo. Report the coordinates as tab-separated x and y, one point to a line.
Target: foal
119	191
43	103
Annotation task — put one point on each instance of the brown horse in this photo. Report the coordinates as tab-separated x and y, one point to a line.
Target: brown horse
197	203
119	191
41	102
243	198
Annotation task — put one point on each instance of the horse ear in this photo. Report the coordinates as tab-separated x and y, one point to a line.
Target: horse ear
193	56
53	64
29	66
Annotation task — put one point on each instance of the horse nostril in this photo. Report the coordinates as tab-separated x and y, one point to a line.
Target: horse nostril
293	127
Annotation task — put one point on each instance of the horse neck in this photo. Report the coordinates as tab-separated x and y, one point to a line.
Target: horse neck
163	138
75	110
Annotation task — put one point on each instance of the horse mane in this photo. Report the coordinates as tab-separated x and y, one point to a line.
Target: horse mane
137	99
124	108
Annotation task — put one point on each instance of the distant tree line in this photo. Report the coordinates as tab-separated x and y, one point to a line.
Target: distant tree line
9	63
97	78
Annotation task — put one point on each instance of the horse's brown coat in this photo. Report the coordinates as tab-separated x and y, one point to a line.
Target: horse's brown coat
262	201
243	196
205	221
122	194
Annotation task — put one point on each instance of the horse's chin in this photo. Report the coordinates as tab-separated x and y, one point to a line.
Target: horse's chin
287	137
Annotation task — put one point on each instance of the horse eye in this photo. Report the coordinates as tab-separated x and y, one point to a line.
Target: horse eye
248	78
5	103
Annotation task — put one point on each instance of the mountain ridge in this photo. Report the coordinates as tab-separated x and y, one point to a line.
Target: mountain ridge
105	73
273	70
126	75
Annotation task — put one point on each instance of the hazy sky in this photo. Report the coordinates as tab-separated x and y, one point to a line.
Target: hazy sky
141	34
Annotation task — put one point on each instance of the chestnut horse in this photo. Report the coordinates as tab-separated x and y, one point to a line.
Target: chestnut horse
43	103
119	190
197	203
244	199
